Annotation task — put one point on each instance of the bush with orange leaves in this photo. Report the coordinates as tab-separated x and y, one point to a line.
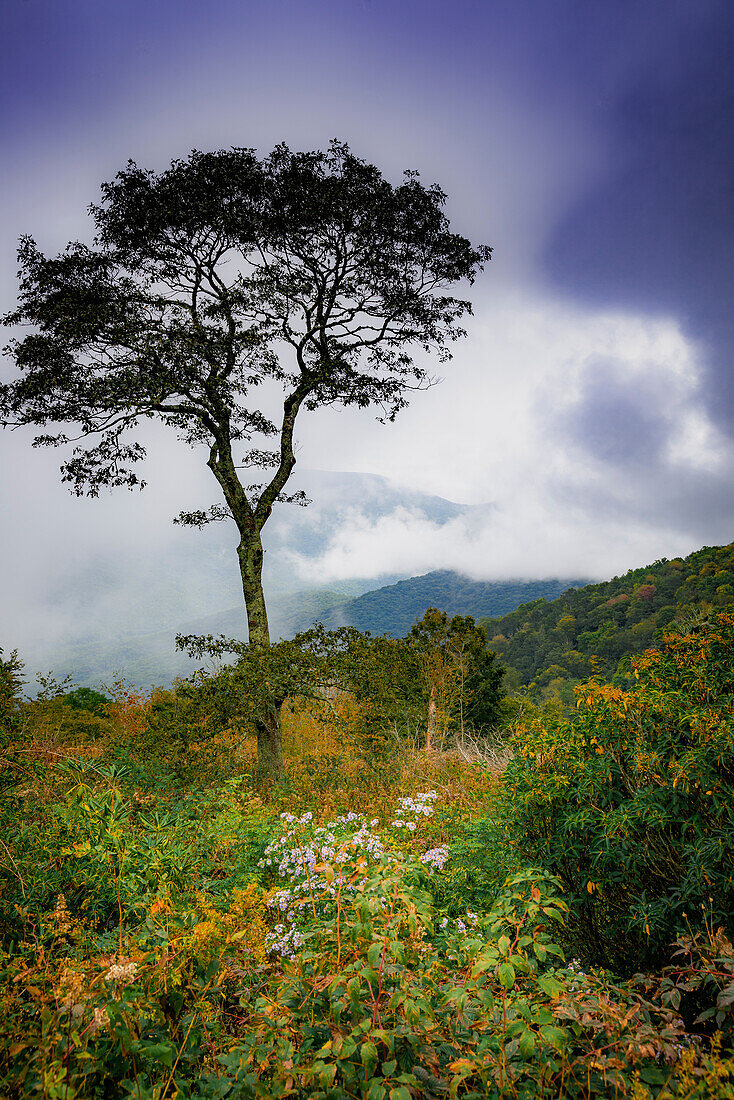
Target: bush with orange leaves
630	800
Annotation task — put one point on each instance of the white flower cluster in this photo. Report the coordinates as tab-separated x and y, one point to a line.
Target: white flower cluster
295	857
124	972
411	809
435	857
460	925
284	941
302	820
316	865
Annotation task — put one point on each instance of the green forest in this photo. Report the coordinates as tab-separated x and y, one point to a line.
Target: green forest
551	647
394	608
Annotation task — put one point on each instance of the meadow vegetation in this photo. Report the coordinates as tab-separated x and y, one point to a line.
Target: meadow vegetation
537	907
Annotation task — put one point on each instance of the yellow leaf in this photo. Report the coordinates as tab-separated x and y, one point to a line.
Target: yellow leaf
462	1065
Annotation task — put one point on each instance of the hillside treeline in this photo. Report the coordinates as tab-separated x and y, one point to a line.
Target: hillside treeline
394	608
551	647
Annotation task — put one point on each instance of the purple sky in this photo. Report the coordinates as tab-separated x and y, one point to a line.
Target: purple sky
589	141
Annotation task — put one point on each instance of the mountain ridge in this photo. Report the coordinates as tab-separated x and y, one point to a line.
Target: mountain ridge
392	609
150	658
550	647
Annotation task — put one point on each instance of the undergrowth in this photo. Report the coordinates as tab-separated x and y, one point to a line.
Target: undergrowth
385	922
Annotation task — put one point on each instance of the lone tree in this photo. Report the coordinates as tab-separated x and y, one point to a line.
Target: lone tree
463	679
206	281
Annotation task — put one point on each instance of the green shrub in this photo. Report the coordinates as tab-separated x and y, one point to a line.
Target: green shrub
87	699
11	681
630	801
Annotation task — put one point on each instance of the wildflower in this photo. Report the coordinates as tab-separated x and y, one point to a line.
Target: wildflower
123	972
283	942
99	1020
435	857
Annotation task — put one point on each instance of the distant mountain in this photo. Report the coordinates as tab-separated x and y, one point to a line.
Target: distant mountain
182	575
148	659
393	609
551	646
151	659
119	608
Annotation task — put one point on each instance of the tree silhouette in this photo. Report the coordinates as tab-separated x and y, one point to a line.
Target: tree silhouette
218	277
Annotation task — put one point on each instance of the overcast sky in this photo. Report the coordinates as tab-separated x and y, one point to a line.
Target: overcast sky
590	142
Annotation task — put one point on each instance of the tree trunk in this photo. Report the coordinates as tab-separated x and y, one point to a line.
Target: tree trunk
270	742
268	724
250	554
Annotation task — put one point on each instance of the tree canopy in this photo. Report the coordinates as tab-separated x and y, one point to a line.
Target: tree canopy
463	678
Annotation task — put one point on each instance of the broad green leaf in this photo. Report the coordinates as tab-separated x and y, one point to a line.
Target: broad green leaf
549	985
527	1044
506	974
556	1036
374	953
400	1093
368	1054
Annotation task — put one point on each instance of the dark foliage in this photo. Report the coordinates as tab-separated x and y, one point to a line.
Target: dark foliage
11	681
394	608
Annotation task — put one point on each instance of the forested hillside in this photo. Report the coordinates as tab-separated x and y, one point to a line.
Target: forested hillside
394	608
552	646
151	658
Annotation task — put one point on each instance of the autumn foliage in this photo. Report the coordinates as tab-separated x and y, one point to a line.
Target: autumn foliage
629	801
385	922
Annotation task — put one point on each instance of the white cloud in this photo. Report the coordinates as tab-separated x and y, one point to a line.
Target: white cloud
508	425
528	541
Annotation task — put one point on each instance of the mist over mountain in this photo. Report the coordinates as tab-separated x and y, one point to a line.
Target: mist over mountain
394	608
118	607
113	612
